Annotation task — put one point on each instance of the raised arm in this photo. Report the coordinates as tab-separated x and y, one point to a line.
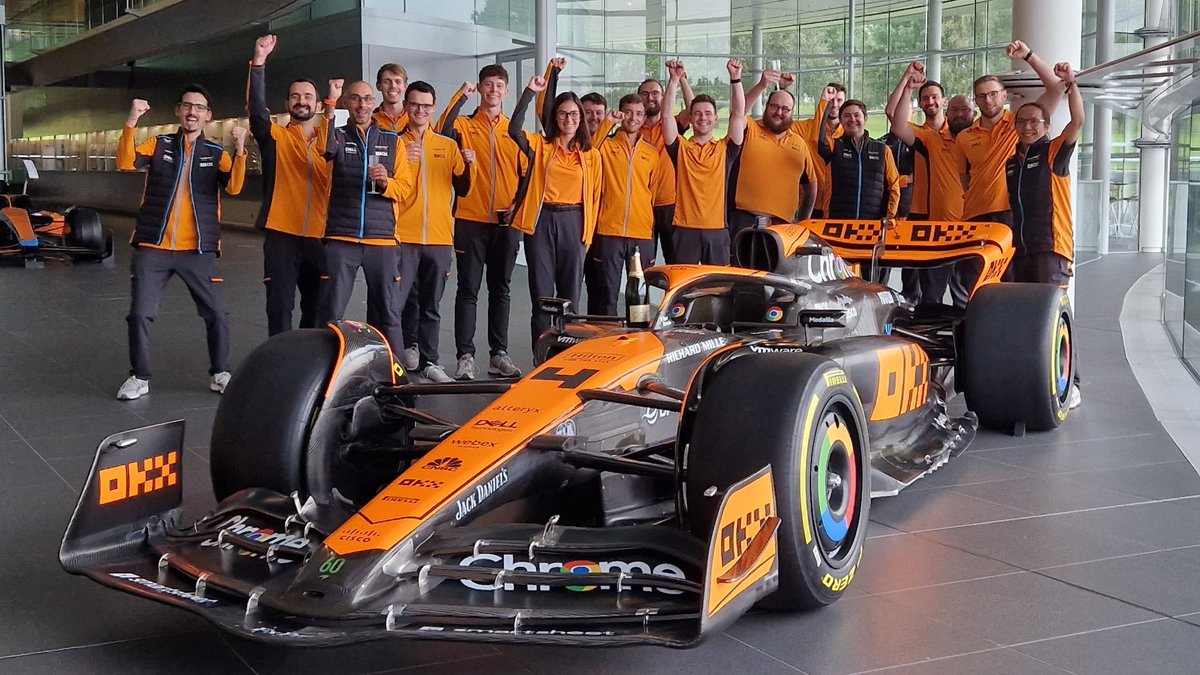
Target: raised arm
516	131
769	76
1054	86
328	142
737	103
256	90
683	119
823	147
129	156
899	105
233	171
670	126
545	98
445	125
1066	73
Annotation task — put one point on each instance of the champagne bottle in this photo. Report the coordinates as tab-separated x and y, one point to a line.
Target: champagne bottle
637	294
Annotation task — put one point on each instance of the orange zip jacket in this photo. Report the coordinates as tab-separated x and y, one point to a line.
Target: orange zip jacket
425	216
494	177
630	173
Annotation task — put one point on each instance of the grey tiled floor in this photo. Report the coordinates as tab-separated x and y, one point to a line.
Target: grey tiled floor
1073	551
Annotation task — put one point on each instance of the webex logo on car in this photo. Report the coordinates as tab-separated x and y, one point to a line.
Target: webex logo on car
511	564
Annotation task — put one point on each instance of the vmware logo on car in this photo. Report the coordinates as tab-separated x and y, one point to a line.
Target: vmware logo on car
509	563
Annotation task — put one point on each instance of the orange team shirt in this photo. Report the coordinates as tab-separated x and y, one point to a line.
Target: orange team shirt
665	187
938	191
982	153
702	174
181	233
494	181
627	194
424	216
564	178
393	124
810	130
771	171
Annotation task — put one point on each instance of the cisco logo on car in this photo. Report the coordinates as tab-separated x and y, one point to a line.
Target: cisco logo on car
511	564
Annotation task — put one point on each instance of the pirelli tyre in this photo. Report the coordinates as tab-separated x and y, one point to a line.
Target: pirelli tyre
263	421
84	230
799	414
1018	357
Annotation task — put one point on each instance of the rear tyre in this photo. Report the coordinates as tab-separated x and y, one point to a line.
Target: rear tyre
811	429
1018	359
262	425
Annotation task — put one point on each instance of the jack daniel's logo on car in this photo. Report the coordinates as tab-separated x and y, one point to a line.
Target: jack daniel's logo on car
481	492
238	525
578	567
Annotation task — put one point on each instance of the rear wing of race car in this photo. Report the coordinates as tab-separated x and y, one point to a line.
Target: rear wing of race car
902	243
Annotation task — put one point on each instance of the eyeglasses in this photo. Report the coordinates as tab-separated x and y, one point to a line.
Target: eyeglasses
995	93
355	98
198	107
1029	121
423	107
650	94
781	108
567	114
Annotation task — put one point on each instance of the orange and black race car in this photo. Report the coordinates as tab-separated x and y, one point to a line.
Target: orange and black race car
29	234
642	484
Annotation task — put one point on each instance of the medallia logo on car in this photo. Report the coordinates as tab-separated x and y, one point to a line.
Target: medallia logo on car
509	563
238	525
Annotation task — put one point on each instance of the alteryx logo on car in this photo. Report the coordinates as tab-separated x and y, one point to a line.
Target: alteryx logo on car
511	564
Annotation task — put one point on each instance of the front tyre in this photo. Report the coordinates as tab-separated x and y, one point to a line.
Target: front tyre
800	414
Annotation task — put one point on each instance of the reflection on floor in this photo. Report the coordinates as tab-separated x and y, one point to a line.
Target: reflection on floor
1074	551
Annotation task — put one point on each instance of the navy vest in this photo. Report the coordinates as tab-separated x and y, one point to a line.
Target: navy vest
166	166
352	211
859	179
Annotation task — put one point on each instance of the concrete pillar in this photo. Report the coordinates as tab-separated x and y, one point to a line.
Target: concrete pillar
851	25
3	99
1153	147
756	67
933	40
1102	120
1055	31
545	36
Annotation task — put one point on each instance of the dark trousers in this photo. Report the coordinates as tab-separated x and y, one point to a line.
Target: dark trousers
291	263
1039	268
424	270
378	263
554	254
479	248
966	273
151	270
664	228
606	263
706	247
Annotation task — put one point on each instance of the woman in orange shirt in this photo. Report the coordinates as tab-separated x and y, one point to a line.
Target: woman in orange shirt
558	198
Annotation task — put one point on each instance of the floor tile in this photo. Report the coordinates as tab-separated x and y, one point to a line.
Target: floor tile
1164	646
1137	579
992	662
912	561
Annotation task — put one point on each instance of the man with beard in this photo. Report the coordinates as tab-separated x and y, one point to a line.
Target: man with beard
425	224
392	81
178	231
775	177
370	173
984	148
483	240
594	110
937	193
295	195
630	167
651	92
702	164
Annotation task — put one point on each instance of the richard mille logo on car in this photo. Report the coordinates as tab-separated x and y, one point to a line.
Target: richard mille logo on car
693	349
473	499
159	588
444	464
653	415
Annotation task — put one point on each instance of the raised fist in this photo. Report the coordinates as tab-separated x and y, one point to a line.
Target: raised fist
467	88
468	155
1017	50
735	69
413	151
675	69
140	107
770	76
1065	72
616	116
828	93
786	80
559	62
263	47
537	83
239	138
335	89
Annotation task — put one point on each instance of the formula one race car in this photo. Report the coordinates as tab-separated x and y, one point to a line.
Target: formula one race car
641	485
29	234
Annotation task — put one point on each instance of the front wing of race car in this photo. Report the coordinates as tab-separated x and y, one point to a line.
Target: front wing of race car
256	566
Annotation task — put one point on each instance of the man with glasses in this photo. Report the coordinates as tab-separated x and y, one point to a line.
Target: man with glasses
295	195
178	231
985	146
369	175
425	224
775	177
651	92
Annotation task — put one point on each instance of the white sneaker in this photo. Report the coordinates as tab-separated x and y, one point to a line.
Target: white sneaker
1075	398
133	388
435	373
218	381
503	366
412	358
466	367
